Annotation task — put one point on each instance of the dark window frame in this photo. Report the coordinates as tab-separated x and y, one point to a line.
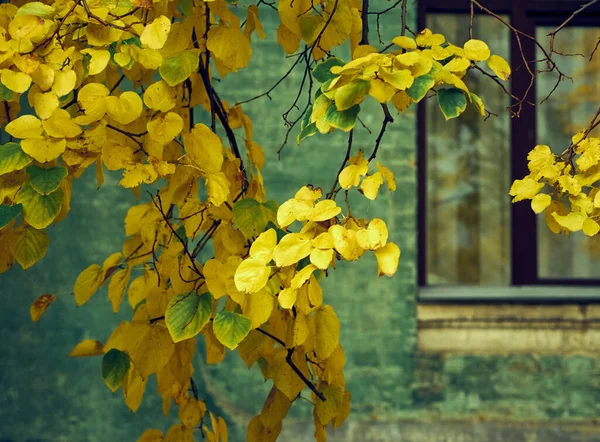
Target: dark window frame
525	15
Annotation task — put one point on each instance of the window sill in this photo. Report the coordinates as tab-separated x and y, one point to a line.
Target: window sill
448	323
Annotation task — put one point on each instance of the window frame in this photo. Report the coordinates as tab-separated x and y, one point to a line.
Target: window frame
525	15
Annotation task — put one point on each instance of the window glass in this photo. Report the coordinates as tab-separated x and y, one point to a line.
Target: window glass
569	110
468	173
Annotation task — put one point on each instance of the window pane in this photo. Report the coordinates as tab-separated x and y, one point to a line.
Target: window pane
468	173
568	111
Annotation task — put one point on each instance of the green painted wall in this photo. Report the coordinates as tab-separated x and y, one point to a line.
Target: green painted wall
398	394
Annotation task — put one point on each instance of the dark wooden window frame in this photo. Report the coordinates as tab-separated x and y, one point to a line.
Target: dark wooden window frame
525	15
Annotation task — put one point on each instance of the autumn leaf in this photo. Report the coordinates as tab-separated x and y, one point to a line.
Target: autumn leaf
40	305
88	347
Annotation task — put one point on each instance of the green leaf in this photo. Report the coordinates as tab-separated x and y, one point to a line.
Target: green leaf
186	6
322	73
46	181
251	217
29	245
8	213
5	93
351	94
344	120
420	87
453	102
12	158
231	328
187	314
308	131
179	67
307	128
40	210
115	365
478	103
36	8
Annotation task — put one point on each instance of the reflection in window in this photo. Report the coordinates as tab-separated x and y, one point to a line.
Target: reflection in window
568	111
468	173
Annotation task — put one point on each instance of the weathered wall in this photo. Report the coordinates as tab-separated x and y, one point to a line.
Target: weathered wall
398	393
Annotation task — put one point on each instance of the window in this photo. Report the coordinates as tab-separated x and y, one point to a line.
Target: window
470	233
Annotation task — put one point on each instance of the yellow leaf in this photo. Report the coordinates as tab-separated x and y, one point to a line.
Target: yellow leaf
217	187
590	227
284	378
44	149
264	245
26	126
151	436
165	128
321	258
345	242
43	77
88	347
64	82
499	66
134	389
40	305
204	148
230	46
258	307
292	210
45	103
370	185
257	432
17	82
381	91
301	329
99	61
526	188
149	346
405	42
427	38
124	109
476	50
92	100
154	35
328	331
540	157
302	276
540	202
117	286
160	96
60	125
323	211
87	283
287	297
191	411
400	79
387	259
373	237
350	176
388	176
291	249
573	221
252	275
140	173
328	409
253	23
179	433
28	245
289	41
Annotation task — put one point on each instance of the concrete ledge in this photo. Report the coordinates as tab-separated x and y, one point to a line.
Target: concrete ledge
445	431
509	329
